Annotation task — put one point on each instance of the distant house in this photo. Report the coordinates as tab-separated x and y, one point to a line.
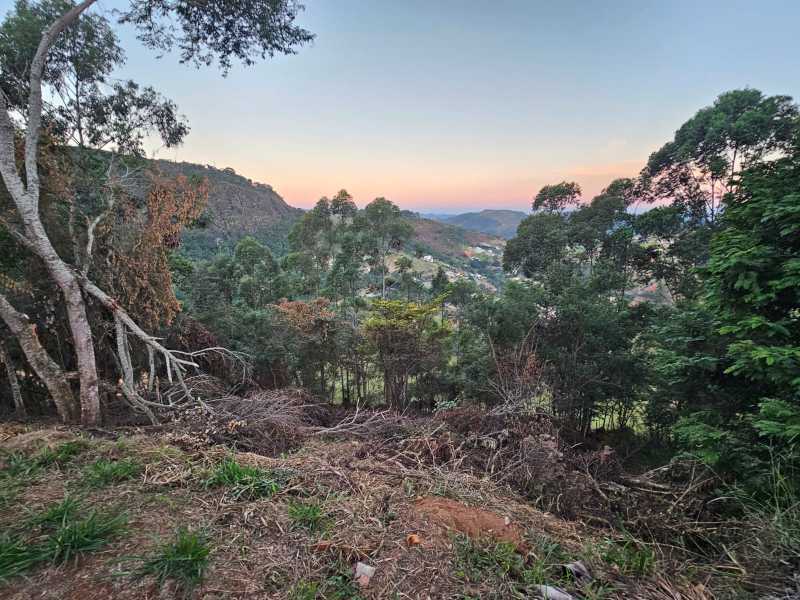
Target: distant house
428	258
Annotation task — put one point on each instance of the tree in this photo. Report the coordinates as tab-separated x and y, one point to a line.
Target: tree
729	363
440	282
404	265
700	165
406	342
558	197
385	229
256	271
753	278
342	206
541	240
13	382
311	242
220	31
344	279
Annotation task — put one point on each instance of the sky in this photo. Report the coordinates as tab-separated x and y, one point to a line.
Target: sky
452	106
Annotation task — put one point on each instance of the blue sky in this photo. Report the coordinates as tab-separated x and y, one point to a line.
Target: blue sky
448	106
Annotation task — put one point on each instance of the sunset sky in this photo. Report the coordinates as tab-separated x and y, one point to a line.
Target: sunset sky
448	106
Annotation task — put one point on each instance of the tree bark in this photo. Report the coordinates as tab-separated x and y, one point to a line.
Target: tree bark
13	382
45	367
25	196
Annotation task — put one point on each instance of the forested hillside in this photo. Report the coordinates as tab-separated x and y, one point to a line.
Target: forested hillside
206	393
237	207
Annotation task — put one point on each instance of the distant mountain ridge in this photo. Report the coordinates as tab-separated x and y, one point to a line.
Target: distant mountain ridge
499	223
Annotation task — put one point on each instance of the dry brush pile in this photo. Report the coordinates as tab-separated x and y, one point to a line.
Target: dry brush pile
673	511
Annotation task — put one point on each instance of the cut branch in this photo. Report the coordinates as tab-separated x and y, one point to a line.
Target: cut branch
13	382
127	384
45	367
174	364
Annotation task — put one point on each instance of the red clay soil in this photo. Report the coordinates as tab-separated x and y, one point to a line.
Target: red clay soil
473	522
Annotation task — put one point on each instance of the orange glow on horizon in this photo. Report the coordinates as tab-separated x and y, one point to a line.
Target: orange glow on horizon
428	191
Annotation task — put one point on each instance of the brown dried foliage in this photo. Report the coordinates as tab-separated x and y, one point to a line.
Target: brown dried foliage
137	246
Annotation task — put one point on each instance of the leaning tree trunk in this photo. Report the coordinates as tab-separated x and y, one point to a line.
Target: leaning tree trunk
13	382
25	195
45	367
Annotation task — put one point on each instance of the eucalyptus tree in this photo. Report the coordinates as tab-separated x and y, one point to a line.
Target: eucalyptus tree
700	165
61	51
385	229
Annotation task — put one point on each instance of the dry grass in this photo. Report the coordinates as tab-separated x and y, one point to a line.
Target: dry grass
368	493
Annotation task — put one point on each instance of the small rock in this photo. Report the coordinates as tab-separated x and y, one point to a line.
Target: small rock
579	571
548	592
363	574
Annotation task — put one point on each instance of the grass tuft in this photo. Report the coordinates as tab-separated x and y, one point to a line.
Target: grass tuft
17	555
307	515
245	482
340	586
304	590
478	561
183	559
61	454
105	472
68	538
630	556
74	538
22	465
57	514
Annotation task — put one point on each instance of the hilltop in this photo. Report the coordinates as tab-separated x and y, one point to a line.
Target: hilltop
497	223
237	206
